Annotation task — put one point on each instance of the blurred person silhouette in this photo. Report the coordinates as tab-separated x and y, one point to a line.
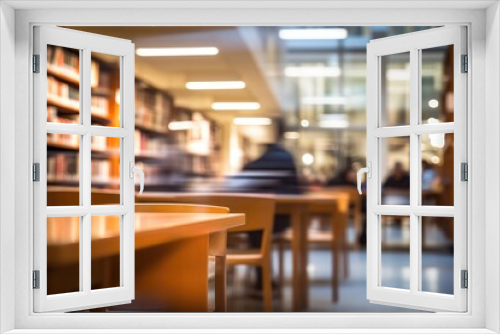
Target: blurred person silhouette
346	177
398	178
273	172
429	176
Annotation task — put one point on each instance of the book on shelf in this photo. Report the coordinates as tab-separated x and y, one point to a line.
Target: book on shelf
100	171
150	146
98	143
62	167
152	108
52	116
61	139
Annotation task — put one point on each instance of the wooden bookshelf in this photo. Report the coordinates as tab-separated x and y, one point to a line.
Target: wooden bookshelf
159	151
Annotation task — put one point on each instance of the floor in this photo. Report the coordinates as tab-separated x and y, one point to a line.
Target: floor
437	276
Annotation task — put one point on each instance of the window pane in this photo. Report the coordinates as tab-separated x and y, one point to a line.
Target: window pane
437	84
437	169
395	170
105	89
63	169
437	254
395	89
105	250
395	251
63	85
63	255
105	170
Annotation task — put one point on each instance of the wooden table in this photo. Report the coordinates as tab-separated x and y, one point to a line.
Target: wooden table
300	207
172	251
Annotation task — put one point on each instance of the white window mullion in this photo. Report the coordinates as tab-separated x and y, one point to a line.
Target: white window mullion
415	94
85	171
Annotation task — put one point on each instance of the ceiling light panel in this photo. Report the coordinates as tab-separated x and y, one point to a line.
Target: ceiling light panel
312	71
207	85
313	33
324	100
235	106
252	121
177	52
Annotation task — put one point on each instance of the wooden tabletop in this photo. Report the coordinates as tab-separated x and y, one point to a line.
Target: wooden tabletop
151	229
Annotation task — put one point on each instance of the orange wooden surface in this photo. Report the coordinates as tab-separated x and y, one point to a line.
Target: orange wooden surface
151	229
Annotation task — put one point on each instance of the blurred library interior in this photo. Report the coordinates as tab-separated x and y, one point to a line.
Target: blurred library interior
255	110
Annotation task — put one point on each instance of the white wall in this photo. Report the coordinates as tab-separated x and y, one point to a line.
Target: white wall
492	149
7	161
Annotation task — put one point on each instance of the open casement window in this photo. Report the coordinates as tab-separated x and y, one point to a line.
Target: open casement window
399	131
71	132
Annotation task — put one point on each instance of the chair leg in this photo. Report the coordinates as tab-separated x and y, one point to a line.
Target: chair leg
220	284
281	268
267	286
345	258
335	270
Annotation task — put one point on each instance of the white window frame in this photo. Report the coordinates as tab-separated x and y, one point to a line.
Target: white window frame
86	43
483	102
413	44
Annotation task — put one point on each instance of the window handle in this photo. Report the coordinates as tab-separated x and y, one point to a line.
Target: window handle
368	171
141	174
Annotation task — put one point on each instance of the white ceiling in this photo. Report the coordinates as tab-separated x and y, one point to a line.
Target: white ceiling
238	59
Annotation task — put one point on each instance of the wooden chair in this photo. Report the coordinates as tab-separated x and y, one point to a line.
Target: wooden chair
179	208
335	238
217	246
259	216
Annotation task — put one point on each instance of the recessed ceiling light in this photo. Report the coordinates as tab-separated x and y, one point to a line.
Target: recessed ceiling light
335	121
334	124
252	121
177	52
324	100
433	103
398	74
313	33
291	135
315	71
235	106
307	159
304	123
180	125
200	85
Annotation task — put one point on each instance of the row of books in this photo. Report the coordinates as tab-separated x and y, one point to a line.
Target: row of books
65	168
152	109
100	171
66	62
62	167
100	105
97	143
53	116
150	146
63	92
70	141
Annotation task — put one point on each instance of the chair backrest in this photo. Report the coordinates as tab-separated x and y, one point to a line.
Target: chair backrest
179	208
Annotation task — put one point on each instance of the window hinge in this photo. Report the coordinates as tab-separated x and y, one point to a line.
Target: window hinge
464	172
36	279
465	279
36	172
465	64
36	63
